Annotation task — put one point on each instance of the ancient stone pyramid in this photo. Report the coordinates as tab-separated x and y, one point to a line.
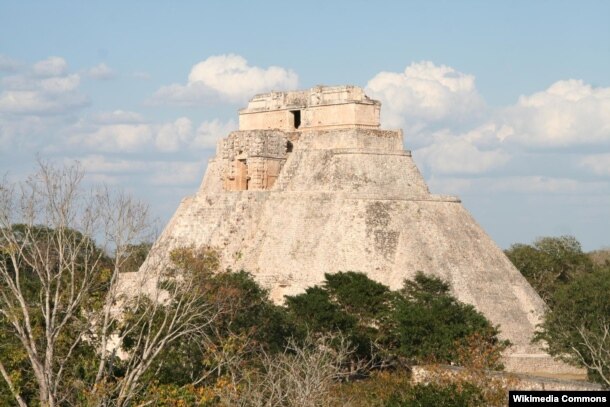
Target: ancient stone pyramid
310	184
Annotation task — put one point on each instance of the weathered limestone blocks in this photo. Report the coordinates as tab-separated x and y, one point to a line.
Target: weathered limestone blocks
289	203
383	174
322	107
427	374
375	139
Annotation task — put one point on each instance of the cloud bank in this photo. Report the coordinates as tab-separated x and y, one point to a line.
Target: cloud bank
554	142
454	132
228	78
425	95
128	132
47	88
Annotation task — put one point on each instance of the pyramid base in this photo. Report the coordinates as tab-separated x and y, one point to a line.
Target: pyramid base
541	364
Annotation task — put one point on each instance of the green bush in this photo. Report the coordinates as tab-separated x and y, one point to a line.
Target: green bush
422	322
431	324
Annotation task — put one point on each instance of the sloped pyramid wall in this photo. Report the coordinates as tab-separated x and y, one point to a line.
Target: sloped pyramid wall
353	199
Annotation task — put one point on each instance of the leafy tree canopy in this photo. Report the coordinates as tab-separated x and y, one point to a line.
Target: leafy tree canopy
422	322
577	327
550	262
432	324
316	309
357	294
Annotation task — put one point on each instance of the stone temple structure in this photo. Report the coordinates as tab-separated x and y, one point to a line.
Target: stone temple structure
311	184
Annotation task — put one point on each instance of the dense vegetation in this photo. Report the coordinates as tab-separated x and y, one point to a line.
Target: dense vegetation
194	334
421	323
575	286
363	326
550	262
72	334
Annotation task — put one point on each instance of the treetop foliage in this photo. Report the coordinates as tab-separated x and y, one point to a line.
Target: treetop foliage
575	286
576	328
433	325
550	262
357	294
421	322
425	288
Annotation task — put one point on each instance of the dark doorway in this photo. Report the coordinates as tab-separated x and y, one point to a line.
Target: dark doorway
297	118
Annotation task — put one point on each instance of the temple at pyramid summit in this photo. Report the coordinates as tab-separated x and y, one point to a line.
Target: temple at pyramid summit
310	184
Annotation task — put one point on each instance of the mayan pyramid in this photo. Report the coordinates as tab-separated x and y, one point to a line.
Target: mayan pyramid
311	184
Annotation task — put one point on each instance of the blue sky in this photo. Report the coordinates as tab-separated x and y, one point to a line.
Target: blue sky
506	104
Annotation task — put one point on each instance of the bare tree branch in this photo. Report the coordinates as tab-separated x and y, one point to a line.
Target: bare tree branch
597	346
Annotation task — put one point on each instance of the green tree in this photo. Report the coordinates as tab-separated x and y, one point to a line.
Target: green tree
432	325
247	329
349	303
577	328
358	295
135	254
422	322
316	309
250	312
63	313
550	262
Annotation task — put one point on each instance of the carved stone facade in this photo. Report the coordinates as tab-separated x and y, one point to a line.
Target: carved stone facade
252	160
321	107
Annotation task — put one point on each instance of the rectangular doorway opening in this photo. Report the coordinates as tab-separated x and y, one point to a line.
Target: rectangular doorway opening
241	176
297	118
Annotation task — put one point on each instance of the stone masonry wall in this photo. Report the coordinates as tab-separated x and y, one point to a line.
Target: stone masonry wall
291	206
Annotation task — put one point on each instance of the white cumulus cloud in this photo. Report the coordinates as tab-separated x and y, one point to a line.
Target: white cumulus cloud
171	136
36	102
127	132
151	172
180	135
59	84
568	113
97	163
177	173
425	95
115	138
118	117
453	132
537	184
227	77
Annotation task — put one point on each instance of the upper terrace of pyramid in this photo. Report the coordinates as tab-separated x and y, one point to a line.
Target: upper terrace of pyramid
319	108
